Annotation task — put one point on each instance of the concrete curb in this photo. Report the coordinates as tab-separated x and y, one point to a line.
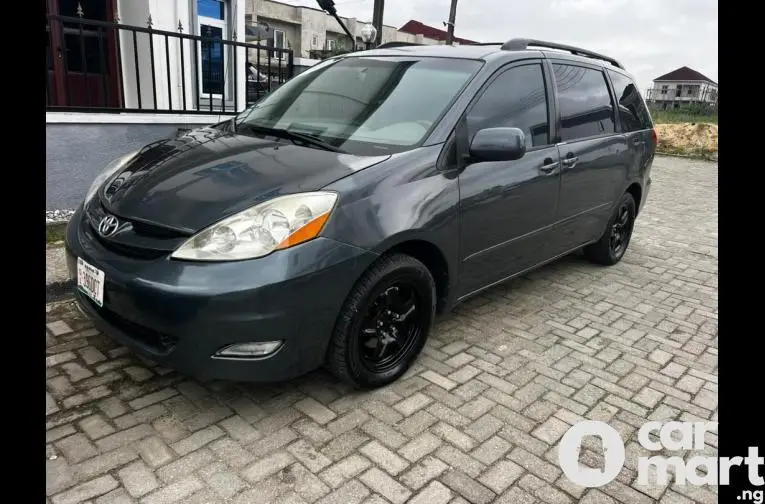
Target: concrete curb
689	156
57	282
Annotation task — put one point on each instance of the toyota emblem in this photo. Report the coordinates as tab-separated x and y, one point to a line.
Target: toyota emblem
108	226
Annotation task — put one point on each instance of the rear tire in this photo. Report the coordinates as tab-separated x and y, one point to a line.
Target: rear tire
384	323
611	247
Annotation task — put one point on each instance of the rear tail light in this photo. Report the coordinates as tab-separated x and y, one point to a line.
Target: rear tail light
654	136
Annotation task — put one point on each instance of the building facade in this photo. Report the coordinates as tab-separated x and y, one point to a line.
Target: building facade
683	86
313	34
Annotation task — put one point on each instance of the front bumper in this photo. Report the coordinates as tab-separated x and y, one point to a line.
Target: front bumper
179	313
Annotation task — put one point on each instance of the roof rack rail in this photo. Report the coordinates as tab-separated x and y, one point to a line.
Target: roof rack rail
483	43
396	44
519	44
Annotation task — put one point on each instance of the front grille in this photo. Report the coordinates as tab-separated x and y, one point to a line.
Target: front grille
154	231
137	240
129	251
158	342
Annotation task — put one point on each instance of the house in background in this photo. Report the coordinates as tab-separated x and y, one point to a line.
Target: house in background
124	73
430	33
680	87
313	35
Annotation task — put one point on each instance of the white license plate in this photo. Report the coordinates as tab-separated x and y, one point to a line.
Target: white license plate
90	281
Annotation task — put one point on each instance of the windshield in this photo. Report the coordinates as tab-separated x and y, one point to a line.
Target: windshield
365	105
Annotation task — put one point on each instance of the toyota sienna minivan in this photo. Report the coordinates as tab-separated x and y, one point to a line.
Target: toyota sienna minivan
329	223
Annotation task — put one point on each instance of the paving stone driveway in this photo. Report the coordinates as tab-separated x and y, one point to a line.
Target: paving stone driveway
476	420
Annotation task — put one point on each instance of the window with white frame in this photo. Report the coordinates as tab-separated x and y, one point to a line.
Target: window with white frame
280	39
331	44
212	23
315	41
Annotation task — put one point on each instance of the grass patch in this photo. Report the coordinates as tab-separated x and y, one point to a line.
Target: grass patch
55	232
681	116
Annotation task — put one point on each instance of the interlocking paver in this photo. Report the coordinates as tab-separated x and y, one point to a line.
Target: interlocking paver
477	419
138	479
85	491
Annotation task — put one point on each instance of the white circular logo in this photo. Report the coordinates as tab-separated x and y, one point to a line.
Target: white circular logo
571	443
108	225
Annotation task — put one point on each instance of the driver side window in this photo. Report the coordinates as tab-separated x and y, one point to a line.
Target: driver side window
515	99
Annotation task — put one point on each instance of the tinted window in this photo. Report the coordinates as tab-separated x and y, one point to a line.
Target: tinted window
585	102
517	99
633	113
366	104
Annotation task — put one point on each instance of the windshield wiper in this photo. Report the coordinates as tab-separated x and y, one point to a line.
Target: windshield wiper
296	137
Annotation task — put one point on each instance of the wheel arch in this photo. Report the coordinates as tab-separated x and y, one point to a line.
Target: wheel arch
636	191
434	257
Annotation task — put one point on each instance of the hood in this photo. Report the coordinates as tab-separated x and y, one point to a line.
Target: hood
192	181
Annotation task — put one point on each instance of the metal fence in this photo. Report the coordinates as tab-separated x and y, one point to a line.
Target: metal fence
684	105
107	66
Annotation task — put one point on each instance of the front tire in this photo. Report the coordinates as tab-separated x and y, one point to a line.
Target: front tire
611	247
384	323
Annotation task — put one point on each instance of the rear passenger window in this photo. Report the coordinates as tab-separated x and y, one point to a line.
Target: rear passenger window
633	113
585	102
515	99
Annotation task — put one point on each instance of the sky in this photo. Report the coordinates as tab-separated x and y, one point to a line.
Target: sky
649	38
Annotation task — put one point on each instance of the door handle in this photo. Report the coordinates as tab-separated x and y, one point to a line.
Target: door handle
570	161
549	165
637	142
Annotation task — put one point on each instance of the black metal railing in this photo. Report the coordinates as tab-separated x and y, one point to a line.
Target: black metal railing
111	67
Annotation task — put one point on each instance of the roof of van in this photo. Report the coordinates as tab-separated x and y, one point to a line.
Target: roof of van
515	48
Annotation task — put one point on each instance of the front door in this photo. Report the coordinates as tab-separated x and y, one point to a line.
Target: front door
212	21
593	157
82	58
508	208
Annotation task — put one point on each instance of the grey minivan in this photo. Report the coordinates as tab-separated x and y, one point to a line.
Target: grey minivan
330	222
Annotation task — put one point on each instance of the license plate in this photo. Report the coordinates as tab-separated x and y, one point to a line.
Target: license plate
90	281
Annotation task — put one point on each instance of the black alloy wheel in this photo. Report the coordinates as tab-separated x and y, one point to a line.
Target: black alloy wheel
611	247
621	230
390	327
384	322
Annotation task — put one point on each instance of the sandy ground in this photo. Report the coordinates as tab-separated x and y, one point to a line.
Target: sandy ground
699	139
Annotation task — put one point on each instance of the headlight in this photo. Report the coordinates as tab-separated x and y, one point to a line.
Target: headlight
107	172
273	225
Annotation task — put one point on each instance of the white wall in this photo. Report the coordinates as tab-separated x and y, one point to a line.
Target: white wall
165	16
705	90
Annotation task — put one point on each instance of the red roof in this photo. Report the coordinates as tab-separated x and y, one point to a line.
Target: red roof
417	28
684	74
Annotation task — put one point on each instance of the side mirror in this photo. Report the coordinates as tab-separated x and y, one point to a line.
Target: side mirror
498	144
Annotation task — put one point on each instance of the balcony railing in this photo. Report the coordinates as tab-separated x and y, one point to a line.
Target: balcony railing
682	95
102	66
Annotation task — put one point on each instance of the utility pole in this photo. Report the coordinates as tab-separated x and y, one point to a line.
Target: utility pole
377	19
450	24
